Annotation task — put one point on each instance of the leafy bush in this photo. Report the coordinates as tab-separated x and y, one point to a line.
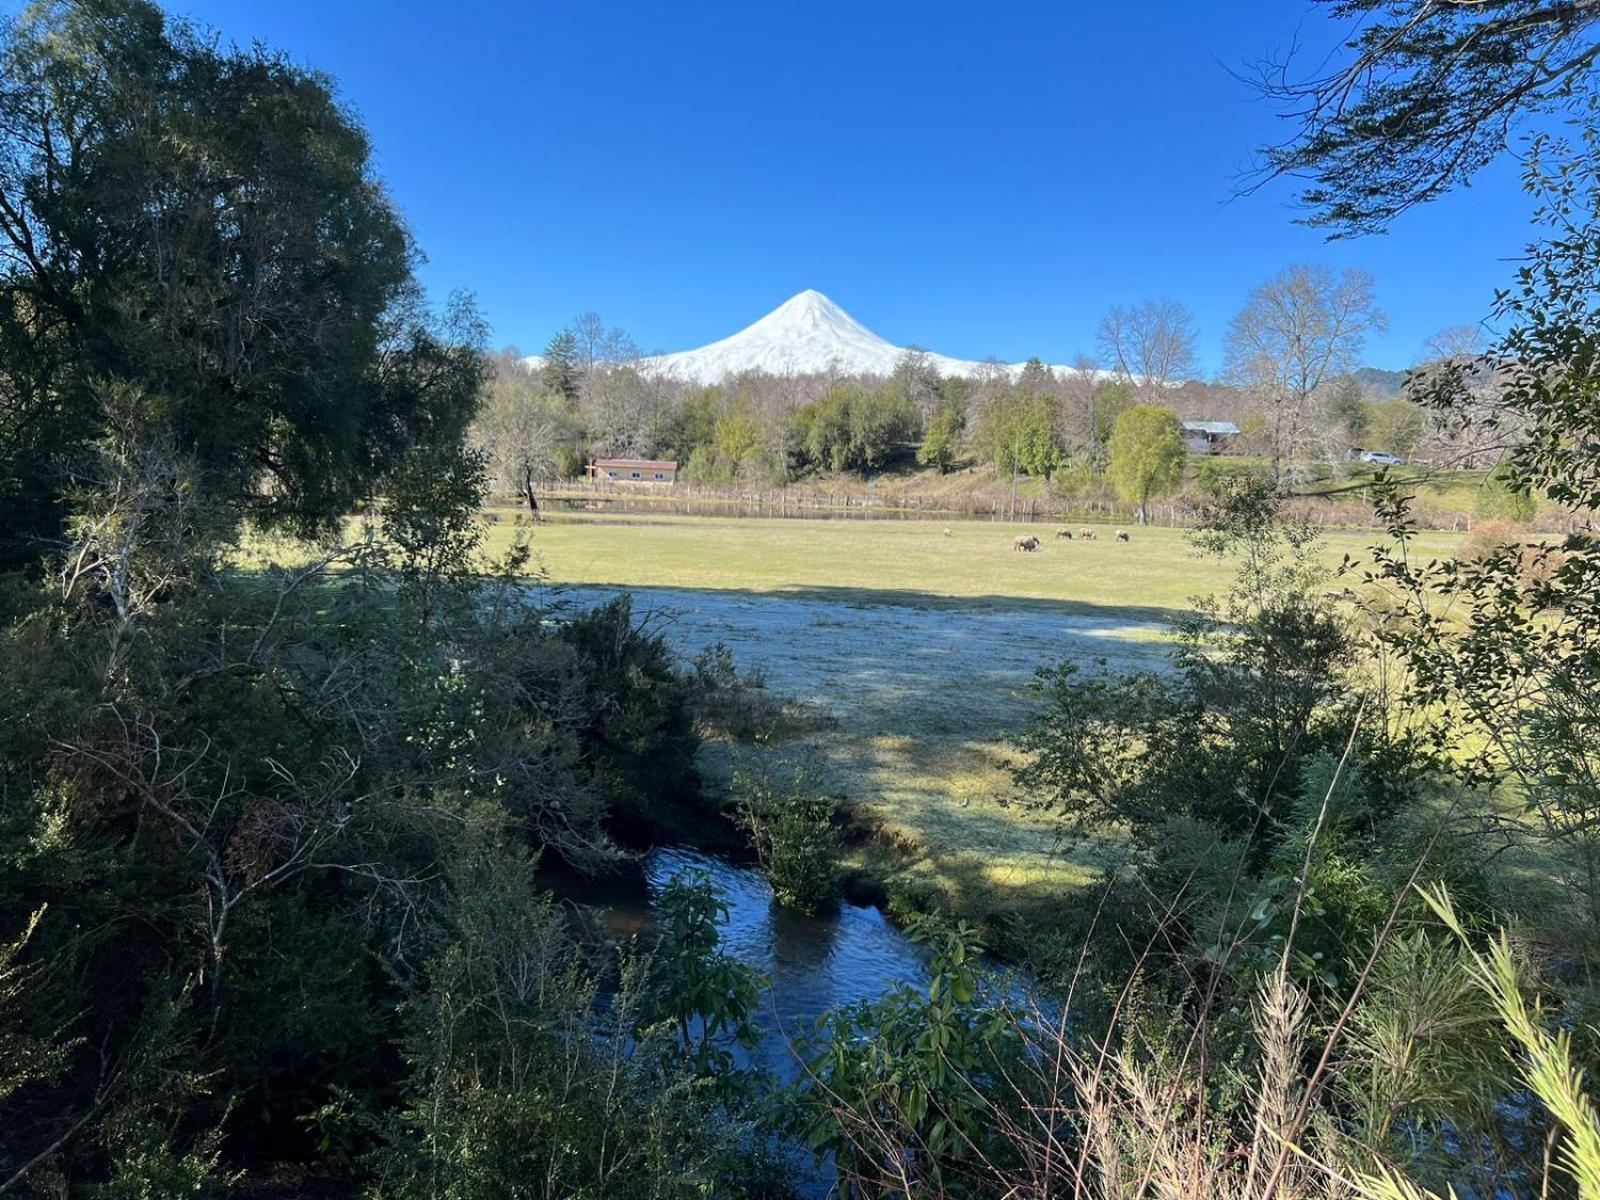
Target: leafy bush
733	703
916	1077
521	1078
795	831
638	728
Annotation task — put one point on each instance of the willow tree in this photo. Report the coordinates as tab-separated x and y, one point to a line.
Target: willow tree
1147	455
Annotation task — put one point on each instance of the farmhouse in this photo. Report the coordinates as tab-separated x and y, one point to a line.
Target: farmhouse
1209	437
633	470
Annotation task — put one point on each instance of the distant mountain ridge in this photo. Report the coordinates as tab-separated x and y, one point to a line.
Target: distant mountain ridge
1378	383
808	334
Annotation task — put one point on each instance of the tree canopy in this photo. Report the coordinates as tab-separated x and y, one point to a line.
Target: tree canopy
1147	455
1427	95
201	223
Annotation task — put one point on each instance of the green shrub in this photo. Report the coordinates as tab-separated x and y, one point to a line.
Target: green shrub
1504	496
1214	475
639	728
795	832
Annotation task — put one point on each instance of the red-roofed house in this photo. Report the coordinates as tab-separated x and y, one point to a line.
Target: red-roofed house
633	470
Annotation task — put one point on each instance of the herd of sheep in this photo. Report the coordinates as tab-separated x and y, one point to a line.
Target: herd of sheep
1028	542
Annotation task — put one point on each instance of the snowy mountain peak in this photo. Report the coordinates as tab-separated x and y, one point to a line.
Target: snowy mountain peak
808	334
810	311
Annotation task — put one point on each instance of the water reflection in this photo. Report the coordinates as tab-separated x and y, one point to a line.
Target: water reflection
813	963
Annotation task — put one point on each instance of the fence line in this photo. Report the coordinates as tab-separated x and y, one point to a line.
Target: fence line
791	500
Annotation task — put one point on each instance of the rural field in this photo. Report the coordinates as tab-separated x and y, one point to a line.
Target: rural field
914	646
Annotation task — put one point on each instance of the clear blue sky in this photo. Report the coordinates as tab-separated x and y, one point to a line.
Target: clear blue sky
976	179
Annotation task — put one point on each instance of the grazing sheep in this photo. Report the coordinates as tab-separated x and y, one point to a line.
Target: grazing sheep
1086	534
1122	535
947	533
1064	533
1026	542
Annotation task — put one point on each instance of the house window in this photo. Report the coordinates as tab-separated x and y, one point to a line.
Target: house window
636	475
659	475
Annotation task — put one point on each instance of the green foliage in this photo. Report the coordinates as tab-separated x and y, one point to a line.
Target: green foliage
1107	749
1146	455
707	996
1427	1061
27	1055
1017	432
561	372
1396	426
795	831
216	241
1503	645
923	1073
1347	408
639	731
520	1078
854	429
1504	497
1112	398
941	440
719	438
430	521
1215	475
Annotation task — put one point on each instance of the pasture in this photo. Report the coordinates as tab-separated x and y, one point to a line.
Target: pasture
915	647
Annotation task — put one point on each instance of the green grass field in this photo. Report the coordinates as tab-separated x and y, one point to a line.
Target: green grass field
917	644
890	561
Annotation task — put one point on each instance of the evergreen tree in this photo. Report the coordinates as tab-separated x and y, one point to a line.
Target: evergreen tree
563	375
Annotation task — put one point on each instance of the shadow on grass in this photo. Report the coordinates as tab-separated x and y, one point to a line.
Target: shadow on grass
857	597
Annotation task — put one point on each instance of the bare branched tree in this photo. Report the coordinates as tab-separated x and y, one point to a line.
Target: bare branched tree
520	428
1151	344
1080	390
1302	328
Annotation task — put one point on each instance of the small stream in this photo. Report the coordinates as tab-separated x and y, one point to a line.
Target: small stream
811	963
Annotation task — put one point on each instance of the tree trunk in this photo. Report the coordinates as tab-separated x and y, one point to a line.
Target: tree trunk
527	491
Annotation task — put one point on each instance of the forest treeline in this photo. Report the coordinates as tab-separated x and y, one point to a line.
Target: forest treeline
1292	384
282	748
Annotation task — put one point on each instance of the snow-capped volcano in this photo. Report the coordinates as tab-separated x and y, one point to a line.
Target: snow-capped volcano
806	334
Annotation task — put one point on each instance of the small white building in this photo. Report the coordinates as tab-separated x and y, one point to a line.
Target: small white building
1209	437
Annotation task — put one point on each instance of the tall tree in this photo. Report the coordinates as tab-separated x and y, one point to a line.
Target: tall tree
1079	416
522	429
915	377
1146	455
941	437
1298	330
562	374
1151	344
202	224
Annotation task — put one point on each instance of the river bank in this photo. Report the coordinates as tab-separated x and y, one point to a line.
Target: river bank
908	709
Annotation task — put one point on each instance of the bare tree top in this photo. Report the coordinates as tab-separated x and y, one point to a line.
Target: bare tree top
1151	343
